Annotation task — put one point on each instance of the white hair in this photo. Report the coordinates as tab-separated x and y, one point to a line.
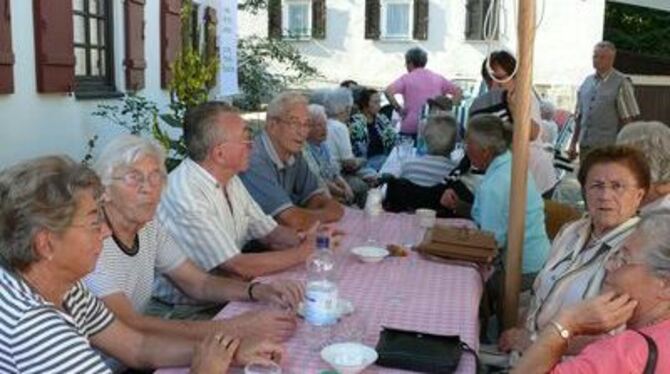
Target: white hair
316	111
337	101
653	140
125	150
654	230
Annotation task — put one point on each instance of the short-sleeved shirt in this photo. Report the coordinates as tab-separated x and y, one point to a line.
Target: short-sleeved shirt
210	222
133	275
427	170
626	352
416	87
36	337
277	185
491	212
337	141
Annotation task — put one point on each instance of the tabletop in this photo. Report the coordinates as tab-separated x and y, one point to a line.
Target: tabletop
409	293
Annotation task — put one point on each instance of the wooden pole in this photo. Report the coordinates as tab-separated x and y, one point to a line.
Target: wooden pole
517	212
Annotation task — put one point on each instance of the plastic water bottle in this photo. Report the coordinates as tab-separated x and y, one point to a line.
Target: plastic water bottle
321	294
373	210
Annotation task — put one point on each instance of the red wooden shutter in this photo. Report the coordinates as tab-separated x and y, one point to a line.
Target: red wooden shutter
170	37
372	19
319	16
421	19
135	62
274	19
6	54
54	45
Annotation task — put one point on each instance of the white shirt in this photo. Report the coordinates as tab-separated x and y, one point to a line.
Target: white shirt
338	141
210	227
541	165
133	275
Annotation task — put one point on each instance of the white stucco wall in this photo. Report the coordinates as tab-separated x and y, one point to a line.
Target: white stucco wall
564	42
34	124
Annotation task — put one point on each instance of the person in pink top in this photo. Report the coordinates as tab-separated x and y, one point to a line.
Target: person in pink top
637	293
416	87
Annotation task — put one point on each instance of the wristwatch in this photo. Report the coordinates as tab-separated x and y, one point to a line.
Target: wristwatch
562	331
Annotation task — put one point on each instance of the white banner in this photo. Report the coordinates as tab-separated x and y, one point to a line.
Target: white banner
227	34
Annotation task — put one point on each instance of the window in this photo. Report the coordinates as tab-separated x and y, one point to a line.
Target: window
396	19
475	14
93	47
297	18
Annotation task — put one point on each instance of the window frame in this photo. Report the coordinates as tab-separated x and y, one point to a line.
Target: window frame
383	20
307	35
482	10
104	85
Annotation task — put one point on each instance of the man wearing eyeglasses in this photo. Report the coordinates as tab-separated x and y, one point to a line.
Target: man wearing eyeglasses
208	210
278	177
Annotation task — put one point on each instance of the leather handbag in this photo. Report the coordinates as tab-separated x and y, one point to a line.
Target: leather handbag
419	351
459	244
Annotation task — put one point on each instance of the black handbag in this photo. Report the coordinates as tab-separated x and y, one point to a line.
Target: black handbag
419	351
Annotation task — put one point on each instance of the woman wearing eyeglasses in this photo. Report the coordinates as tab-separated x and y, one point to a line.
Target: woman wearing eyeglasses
614	181
139	249
637	294
51	234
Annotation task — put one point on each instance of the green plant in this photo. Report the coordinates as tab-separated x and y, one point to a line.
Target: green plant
135	113
267	66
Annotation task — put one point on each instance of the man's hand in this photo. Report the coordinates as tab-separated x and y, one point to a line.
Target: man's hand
514	339
598	315
449	199
214	354
284	293
255	350
275	325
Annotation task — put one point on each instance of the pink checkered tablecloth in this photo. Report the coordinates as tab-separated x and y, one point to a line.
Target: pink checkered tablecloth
408	293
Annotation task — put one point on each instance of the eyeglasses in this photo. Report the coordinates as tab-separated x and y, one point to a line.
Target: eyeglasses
135	178
295	124
599	188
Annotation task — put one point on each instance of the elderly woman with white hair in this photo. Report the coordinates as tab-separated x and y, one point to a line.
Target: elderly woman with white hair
140	248
636	292
653	140
320	161
549	132
51	232
338	104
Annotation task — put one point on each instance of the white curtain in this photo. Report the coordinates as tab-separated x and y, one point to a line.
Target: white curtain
397	19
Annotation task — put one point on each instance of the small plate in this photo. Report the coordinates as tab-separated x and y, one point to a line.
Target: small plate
344	308
370	254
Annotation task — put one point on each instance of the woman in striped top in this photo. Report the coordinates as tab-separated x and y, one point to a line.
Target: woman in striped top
51	234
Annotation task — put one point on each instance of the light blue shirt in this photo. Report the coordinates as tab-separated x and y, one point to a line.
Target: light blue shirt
491	212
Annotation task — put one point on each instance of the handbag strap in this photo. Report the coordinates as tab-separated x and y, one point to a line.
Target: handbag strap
466	348
652	357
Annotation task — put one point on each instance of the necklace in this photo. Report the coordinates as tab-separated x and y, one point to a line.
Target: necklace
130	251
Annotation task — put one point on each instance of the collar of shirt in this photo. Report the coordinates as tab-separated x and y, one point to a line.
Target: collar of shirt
603	78
270	149
499	162
199	172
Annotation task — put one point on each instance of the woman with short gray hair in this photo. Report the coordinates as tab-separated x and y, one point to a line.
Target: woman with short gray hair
653	140
338	105
487	143
430	169
51	232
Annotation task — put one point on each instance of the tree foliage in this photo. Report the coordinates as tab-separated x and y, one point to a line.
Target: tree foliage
638	29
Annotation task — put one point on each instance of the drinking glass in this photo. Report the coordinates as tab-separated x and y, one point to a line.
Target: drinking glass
254	368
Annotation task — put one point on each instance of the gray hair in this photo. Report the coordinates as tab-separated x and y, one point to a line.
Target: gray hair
200	130
338	101
319	96
417	57
605	44
653	139
654	229
316	112
38	194
283	101
547	110
440	134
124	151
490	132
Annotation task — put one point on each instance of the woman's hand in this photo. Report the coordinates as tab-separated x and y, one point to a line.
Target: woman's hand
274	325
255	350
214	354
516	339
449	199
598	315
284	293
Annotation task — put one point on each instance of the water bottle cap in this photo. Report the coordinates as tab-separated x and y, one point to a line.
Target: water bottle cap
322	241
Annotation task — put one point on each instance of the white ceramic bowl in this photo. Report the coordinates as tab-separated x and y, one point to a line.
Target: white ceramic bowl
349	358
370	254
